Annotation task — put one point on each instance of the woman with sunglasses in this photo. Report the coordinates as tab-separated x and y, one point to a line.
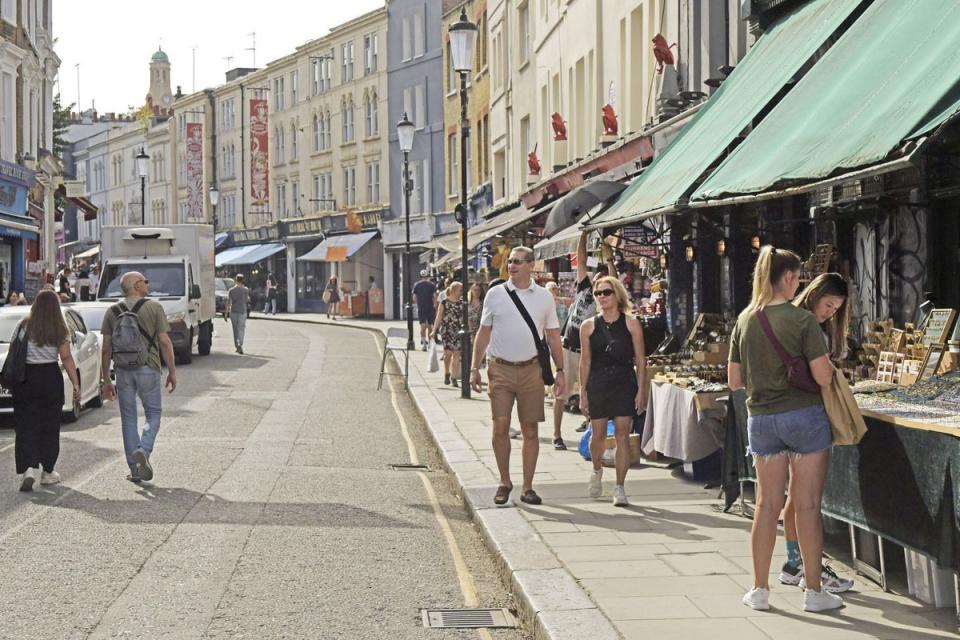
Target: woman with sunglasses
613	379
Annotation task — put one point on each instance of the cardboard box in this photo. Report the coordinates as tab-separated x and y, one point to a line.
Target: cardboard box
634	450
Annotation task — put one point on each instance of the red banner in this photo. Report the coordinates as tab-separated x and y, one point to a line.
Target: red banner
194	176
259	156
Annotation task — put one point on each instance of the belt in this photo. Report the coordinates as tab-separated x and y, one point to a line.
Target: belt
513	364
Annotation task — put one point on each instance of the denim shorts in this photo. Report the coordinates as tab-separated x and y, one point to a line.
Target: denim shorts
799	431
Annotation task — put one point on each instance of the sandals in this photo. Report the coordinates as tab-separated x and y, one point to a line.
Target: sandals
502	494
559	444
530	497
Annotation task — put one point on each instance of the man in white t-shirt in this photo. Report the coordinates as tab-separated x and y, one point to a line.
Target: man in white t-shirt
513	369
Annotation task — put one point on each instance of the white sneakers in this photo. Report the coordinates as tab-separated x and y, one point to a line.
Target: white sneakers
757	599
49	478
620	497
822	600
28	478
596	483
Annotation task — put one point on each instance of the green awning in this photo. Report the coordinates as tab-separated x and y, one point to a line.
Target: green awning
775	58
893	75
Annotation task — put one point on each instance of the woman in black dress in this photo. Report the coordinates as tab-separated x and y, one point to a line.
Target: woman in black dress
612	378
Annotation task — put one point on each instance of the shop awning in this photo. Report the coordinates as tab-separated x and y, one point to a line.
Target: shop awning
562	244
220	239
231	253
770	64
338	248
894	75
501	224
255	253
89	253
13	226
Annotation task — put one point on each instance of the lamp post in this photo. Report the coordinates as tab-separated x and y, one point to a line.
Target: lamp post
463	37
142	159
214	200
405	131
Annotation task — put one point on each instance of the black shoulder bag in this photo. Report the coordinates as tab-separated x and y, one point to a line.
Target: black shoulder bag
543	351
14	369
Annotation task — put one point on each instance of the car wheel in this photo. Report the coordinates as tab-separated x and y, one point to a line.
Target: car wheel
74	414
97	401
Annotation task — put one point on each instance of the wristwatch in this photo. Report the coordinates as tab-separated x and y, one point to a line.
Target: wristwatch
104	381
560	370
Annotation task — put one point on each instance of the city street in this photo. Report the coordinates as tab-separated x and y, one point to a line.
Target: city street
274	512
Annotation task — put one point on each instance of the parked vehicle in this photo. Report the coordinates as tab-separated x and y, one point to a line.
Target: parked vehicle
177	259
92	314
221	287
85	347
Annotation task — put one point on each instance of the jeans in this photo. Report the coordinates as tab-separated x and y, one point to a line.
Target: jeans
144	382
797	432
239	323
270	306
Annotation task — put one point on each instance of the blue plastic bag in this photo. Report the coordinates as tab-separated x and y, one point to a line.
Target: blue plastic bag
585	438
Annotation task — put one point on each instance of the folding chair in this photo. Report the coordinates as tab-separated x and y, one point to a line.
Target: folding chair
396	341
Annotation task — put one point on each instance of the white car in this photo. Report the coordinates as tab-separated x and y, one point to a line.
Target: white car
85	346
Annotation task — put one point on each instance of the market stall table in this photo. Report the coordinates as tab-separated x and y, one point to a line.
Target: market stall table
682	423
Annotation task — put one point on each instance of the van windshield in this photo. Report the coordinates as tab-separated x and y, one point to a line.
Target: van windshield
165	279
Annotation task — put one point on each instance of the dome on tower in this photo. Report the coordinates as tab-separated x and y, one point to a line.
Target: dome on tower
160	56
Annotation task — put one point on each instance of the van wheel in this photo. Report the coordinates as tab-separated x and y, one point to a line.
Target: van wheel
183	357
97	401
205	339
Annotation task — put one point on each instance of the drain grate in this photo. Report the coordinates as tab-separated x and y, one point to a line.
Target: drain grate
408	467
468	619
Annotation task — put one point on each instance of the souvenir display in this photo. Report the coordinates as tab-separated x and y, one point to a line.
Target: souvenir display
938	326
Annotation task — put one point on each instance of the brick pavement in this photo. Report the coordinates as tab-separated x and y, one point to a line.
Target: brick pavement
670	566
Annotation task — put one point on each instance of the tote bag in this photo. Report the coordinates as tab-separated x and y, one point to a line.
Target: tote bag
433	361
846	421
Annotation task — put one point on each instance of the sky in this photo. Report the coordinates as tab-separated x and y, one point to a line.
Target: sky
113	40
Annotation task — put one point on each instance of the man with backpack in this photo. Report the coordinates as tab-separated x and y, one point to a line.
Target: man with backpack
135	332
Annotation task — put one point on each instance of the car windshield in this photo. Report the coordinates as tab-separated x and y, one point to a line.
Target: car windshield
224	284
8	324
165	279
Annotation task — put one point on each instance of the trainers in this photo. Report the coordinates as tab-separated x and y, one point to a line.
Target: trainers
829	581
49	478
583	426
133	478
27	479
790	574
596	483
559	444
757	599
821	600
144	470
620	497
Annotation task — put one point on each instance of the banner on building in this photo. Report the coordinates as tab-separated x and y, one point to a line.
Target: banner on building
259	147
194	176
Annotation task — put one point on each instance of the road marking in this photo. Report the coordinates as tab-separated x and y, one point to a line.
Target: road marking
8	447
467	586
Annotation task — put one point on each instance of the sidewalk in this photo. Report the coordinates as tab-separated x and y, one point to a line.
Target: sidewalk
670	566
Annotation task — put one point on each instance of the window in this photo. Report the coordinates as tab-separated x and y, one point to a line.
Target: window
326	69
281	191
316	132
523	33
294	147
372	115
323	192
482	43
416	196
280	146
328	131
452	162
373	182
451	73
315	77
294	87
370	53
419	107
346	62
418	42
346	110
295	198
349	186
406	41
278	103
227	115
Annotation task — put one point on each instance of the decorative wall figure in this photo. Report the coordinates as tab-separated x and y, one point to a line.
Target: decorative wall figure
609	120
533	163
559	127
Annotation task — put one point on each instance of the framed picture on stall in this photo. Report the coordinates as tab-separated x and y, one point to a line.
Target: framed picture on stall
938	326
932	360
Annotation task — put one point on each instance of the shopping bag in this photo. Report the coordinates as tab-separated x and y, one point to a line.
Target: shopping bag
846	421
433	361
585	438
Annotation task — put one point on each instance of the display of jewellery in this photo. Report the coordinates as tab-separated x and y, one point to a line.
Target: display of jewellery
938	326
872	386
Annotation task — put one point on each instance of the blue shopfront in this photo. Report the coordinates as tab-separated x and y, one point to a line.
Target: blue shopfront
19	233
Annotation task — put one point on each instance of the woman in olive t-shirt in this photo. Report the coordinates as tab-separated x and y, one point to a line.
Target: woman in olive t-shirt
787	427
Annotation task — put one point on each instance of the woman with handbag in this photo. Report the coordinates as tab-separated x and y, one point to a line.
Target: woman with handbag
613	380
826	298
38	397
446	330
778	354
331	296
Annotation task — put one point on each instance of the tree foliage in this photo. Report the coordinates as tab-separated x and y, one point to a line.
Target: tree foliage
61	120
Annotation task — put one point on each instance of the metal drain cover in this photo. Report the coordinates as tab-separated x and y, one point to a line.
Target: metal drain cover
468	619
408	466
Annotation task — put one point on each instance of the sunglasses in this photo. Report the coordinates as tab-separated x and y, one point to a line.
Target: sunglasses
516	261
144	281
602	293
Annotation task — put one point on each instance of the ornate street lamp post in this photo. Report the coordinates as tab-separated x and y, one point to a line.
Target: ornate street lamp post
463	37
214	200
405	131
142	166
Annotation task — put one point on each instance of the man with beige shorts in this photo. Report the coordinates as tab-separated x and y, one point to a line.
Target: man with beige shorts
583	307
513	369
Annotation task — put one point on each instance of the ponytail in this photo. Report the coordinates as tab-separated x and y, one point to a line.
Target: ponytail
771	266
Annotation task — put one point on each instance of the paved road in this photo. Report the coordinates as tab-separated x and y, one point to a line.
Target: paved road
273	514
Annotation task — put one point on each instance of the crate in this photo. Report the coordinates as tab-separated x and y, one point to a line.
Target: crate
927	581
634	450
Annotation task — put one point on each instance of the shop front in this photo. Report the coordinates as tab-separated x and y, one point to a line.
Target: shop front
19	233
300	237
353	258
255	253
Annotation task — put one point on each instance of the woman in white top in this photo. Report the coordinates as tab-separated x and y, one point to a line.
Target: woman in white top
38	397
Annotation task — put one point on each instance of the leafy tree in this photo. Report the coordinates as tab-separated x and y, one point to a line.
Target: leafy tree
61	120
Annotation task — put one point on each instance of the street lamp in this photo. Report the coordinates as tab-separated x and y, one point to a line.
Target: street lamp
142	159
405	131
463	36
214	199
